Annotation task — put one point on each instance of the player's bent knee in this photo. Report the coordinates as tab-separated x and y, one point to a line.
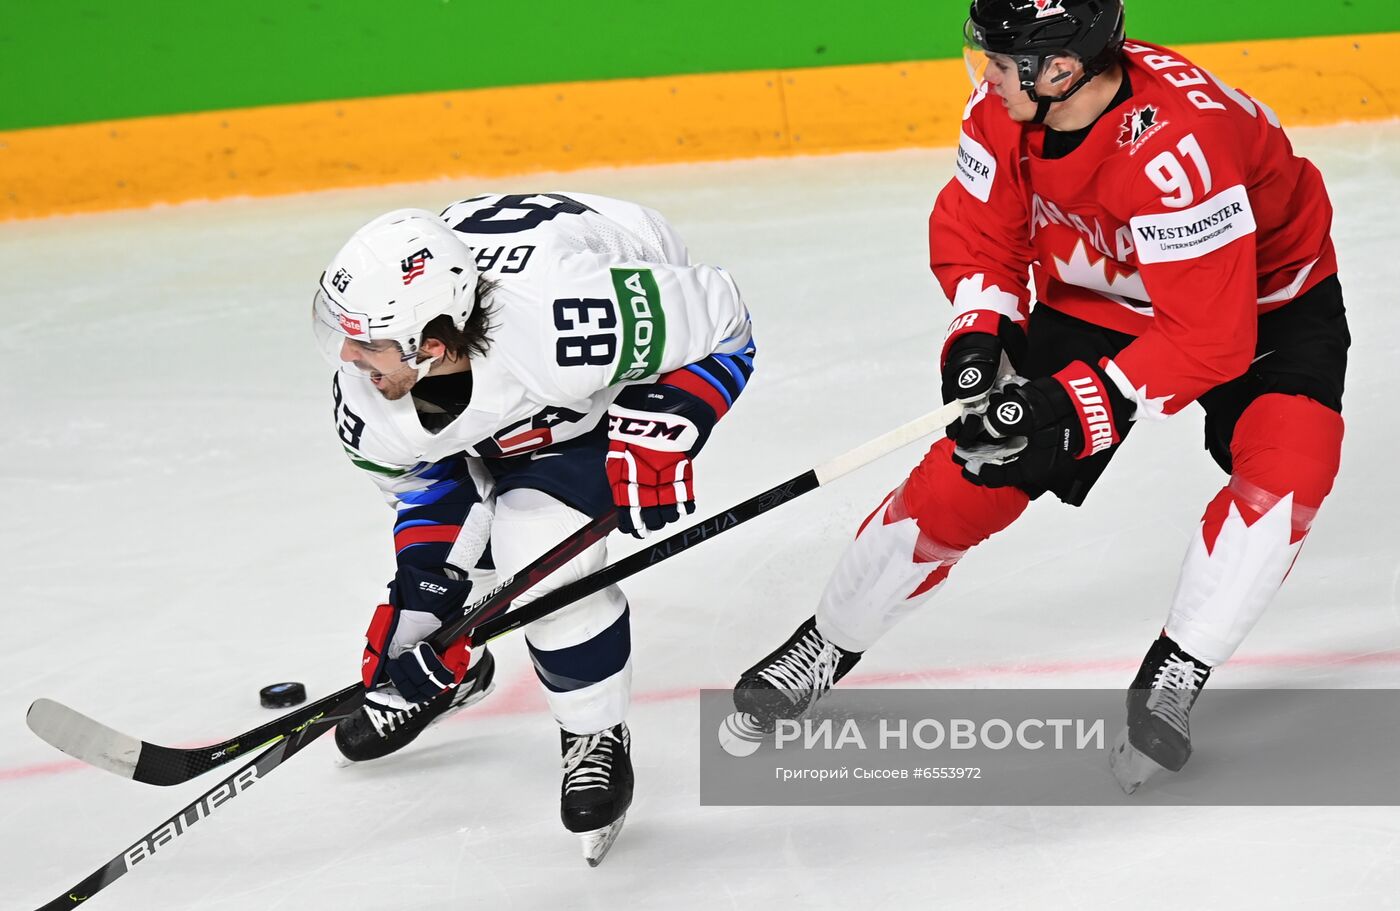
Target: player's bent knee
1286	444
602	652
951	509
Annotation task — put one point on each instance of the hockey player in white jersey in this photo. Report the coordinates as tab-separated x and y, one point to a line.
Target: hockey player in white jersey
506	372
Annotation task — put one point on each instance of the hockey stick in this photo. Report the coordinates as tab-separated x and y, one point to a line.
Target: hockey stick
293	741
150	763
293	731
687	538
248	775
97	744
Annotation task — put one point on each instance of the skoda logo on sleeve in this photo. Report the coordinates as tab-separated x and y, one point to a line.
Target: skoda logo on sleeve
969	377
1009	412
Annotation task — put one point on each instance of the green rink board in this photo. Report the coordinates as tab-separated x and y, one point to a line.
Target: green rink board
72	61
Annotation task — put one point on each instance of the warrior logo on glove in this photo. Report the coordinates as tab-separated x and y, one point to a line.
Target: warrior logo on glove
969	378
1010	412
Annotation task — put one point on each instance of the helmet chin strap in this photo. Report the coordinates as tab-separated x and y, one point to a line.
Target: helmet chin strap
422	367
1042	104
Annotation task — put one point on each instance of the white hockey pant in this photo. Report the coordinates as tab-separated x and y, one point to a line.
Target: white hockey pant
582	653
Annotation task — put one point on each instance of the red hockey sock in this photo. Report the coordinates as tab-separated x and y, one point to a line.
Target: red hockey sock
952	513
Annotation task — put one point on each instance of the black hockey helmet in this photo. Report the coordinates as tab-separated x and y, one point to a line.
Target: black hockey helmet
1032	31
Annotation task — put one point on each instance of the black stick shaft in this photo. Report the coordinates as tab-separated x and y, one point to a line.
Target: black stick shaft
164	766
296	736
484	622
498	600
233	786
662	550
687	538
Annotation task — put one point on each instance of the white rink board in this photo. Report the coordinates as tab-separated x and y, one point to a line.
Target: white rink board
182	528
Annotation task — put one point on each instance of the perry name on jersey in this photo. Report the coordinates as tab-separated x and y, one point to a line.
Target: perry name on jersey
590	294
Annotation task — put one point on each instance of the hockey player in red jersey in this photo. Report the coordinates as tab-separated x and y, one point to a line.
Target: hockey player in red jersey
1179	252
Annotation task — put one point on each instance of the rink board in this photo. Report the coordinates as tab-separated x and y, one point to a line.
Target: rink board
492	132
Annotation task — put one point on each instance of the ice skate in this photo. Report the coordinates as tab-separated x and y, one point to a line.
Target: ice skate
597	787
788	682
1158	733
375	731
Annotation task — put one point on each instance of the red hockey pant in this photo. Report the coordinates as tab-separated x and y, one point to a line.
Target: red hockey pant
1286	450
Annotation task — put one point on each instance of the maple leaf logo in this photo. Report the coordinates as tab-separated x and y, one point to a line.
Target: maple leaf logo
1137	124
1086	268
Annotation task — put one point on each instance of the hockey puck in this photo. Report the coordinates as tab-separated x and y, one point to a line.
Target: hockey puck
282	695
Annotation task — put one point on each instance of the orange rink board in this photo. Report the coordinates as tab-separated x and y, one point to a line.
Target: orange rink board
566	126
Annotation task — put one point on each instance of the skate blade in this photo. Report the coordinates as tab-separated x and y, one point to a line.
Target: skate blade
597	842
1130	766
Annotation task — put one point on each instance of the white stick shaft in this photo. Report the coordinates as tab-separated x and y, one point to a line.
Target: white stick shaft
887	443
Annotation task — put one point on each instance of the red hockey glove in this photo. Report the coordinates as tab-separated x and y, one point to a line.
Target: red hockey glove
1031	431
653	433
398	667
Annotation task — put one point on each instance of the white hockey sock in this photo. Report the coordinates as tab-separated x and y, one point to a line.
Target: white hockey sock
884	574
1232	570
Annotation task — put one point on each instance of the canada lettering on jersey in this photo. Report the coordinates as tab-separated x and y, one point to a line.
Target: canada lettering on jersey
1111	273
1044	212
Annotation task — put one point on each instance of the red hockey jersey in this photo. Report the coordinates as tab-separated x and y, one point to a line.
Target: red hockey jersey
1180	218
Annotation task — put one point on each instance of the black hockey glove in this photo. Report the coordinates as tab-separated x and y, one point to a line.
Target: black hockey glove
982	345
1030	431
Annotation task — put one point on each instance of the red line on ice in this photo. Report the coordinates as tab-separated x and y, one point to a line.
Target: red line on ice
522	696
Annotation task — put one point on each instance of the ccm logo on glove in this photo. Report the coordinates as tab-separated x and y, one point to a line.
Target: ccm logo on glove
673	433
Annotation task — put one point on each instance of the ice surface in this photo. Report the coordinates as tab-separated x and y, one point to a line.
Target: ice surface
182	528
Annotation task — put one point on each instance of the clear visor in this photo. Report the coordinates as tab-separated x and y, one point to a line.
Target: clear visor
1004	68
974	58
976	62
344	351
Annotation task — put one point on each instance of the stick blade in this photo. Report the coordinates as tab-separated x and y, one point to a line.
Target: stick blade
83	738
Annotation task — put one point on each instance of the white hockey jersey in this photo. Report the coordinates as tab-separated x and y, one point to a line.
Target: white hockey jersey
592	294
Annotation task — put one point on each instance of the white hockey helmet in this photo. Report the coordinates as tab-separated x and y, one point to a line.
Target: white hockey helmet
394	276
